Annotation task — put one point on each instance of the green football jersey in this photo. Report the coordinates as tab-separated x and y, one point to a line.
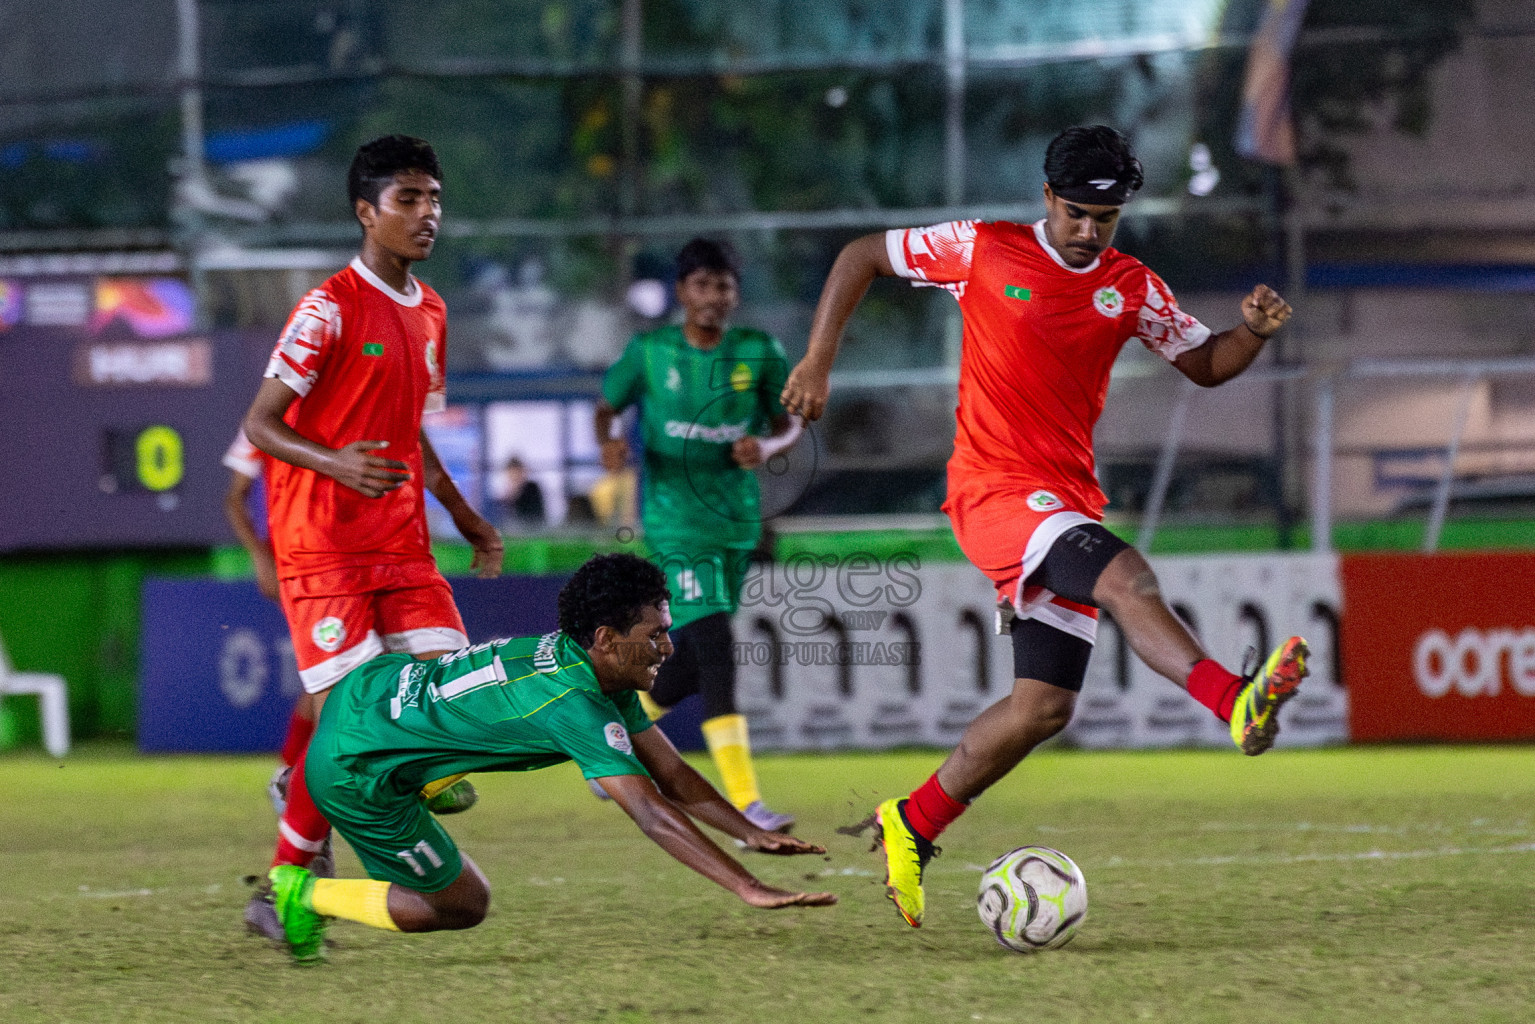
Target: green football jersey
509	705
693	406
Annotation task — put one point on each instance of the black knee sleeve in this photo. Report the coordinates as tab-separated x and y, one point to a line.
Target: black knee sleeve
1050	655
702	662
1075	561
714	647
677	678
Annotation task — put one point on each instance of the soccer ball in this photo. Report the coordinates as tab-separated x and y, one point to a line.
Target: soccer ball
1033	898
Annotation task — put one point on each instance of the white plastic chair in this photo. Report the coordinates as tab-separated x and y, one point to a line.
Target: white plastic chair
52	700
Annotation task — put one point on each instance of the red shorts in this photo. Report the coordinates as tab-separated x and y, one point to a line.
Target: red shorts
1006	534
342	618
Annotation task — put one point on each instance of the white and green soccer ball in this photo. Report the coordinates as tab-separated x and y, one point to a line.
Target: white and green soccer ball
1033	898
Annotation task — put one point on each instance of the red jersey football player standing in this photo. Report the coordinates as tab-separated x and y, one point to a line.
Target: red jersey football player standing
1047	308
361	359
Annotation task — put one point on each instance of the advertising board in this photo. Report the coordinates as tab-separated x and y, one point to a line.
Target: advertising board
864	652
852	652
1441	647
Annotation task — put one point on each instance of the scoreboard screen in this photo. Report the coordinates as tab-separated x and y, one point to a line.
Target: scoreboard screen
115	413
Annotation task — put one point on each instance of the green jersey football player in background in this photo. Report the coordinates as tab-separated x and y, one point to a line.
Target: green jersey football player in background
397	723
709	415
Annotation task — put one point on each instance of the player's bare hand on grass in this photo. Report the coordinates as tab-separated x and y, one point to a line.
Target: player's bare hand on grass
767	897
747	452
784	845
1265	311
365	473
806	390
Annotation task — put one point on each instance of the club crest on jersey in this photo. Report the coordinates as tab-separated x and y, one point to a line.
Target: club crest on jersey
741	377
618	738
1044	501
1109	302
328	634
673	379
431	356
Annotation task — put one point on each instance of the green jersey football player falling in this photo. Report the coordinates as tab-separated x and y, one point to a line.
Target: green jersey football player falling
508	705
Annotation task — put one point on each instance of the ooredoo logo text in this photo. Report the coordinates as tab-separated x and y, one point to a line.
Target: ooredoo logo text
1475	662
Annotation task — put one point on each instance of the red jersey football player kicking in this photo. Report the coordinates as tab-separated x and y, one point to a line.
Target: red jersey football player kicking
1047	308
360	360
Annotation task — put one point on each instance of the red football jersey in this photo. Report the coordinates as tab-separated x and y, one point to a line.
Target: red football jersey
366	362
1039	340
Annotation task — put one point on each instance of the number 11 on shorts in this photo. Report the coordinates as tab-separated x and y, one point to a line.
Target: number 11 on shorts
424	849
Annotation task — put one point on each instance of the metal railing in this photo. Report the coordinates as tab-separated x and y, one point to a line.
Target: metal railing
1324	384
1161	483
1470	372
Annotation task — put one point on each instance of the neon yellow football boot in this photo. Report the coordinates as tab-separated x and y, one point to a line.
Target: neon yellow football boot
906	854
1255	718
304	929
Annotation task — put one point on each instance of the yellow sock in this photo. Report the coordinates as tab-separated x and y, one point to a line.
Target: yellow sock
431	789
363	900
654	710
726	736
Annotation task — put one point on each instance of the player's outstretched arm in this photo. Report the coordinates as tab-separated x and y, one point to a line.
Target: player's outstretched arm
353	465
858	264
672	830
1227	354
489	550
681	784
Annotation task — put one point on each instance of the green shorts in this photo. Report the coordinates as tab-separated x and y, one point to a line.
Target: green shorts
394	835
703	580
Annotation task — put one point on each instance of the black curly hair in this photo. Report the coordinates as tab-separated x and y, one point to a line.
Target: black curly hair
609	590
1092	163
377	162
707	254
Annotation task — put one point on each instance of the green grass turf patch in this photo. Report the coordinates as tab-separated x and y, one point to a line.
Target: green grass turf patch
1386	884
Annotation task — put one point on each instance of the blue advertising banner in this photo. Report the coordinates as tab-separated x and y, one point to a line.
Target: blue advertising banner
217	670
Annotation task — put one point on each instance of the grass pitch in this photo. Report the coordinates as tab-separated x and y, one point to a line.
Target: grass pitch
1343	885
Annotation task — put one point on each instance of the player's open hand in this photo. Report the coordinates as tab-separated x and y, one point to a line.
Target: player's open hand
747	452
767	897
266	572
779	843
1264	311
368	474
489	548
806	390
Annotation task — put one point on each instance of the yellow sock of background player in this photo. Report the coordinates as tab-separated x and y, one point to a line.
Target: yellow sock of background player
732	752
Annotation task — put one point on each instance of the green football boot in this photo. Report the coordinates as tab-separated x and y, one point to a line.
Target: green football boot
1255	718
304	929
906	854
454	798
